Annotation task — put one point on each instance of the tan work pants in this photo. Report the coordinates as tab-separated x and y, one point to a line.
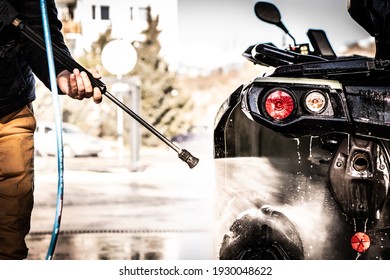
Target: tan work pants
16	181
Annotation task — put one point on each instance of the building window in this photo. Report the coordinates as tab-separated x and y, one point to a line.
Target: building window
131	13
104	12
93	12
143	14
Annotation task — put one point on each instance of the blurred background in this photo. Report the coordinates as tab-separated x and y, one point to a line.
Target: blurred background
127	195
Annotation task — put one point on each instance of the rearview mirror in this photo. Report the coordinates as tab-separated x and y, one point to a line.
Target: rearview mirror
269	13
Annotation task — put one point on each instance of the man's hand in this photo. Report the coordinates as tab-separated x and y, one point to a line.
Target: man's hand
78	86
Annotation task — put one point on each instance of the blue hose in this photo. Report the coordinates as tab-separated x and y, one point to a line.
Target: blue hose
58	122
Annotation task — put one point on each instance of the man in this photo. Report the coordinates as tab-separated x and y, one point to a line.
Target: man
19	59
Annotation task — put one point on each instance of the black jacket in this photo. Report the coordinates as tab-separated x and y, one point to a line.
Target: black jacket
20	58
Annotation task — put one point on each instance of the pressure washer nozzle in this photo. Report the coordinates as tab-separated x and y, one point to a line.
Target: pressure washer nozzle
185	156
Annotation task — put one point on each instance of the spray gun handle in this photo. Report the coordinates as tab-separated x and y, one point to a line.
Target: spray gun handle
60	56
70	64
95	82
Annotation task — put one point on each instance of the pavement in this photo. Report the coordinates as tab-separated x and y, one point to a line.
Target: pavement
115	209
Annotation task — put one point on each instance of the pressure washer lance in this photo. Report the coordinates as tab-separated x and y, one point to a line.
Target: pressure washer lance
70	64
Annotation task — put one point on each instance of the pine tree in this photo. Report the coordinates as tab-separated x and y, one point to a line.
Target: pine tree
162	105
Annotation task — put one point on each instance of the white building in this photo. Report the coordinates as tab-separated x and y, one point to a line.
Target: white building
126	18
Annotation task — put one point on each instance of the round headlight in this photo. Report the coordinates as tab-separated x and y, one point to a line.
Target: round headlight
315	101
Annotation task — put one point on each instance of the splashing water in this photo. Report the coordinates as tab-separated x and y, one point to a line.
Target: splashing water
252	182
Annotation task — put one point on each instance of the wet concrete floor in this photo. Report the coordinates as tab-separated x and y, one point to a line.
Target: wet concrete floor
161	209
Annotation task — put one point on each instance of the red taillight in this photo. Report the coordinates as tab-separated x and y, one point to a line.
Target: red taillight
279	104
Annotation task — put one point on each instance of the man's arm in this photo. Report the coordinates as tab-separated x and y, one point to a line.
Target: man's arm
30	13
76	84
